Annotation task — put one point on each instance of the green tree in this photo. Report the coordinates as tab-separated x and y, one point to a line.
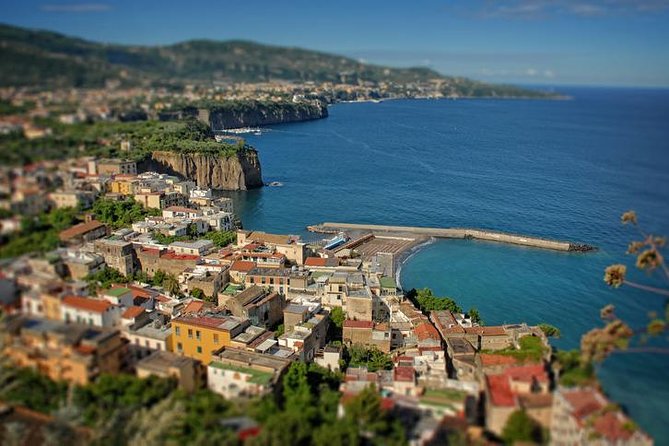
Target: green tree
338	316
171	284
158	278
550	330
475	316
426	301
197	293
520	427
370	357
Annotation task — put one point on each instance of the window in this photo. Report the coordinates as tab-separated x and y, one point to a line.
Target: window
199	349
215	339
197	334
179	347
177	331
190	334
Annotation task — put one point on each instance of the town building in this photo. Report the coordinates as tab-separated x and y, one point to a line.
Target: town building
72	353
261	306
169	365
83	232
87	311
237	373
199	337
584	416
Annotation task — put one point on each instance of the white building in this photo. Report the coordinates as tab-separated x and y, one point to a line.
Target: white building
82	310
197	247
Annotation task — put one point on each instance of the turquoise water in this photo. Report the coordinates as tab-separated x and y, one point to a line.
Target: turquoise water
560	169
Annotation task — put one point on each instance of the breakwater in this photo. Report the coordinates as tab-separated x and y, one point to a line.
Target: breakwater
457	233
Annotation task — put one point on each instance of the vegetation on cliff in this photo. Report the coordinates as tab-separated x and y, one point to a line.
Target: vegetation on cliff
104	139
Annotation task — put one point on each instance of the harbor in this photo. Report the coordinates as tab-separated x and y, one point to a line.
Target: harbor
453	233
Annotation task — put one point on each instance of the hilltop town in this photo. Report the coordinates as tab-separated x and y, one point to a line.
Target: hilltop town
140	294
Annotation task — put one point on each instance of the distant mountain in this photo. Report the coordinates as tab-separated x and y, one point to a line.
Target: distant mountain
48	59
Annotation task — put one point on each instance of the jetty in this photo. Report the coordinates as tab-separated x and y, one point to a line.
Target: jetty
454	233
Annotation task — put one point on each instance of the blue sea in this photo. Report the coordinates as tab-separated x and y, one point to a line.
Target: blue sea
561	169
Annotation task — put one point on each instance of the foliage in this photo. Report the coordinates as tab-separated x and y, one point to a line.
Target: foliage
475	316
40	233
222	238
27	387
426	301
520	427
197	293
105	279
532	349
572	371
338	316
370	357
550	330
122	213
99	400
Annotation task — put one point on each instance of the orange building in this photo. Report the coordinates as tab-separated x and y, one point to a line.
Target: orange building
198	337
72	353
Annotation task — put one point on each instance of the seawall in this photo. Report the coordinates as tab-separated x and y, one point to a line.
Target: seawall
458	233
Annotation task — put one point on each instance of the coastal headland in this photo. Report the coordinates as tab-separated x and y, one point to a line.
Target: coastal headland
455	233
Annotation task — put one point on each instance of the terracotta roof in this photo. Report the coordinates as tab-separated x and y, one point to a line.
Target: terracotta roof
171	255
242	266
84	303
358	324
527	373
132	312
181	209
315	261
492	360
486	331
610	425
426	331
500	390
80	229
194	306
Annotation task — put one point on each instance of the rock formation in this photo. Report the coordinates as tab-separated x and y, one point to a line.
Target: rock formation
238	172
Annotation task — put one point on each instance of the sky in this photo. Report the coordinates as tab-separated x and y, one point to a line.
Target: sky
548	42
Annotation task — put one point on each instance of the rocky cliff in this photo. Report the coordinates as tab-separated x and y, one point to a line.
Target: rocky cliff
236	114
238	172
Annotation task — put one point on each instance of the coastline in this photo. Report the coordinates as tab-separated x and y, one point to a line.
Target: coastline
404	257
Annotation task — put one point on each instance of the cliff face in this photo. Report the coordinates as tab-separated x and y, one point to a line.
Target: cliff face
239	172
259	114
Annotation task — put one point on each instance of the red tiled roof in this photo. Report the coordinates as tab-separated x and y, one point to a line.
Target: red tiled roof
426	331
527	373
194	306
610	425
486	331
132	312
491	360
242	266
358	324
171	255
84	303
500	390
315	261
80	229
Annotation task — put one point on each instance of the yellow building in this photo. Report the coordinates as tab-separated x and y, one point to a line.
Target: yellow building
51	305
198	337
123	185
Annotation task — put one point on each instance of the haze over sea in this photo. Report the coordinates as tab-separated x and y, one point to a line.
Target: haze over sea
559	169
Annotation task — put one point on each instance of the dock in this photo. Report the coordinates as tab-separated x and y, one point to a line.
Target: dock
455	233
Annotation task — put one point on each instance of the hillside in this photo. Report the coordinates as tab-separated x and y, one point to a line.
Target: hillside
48	59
